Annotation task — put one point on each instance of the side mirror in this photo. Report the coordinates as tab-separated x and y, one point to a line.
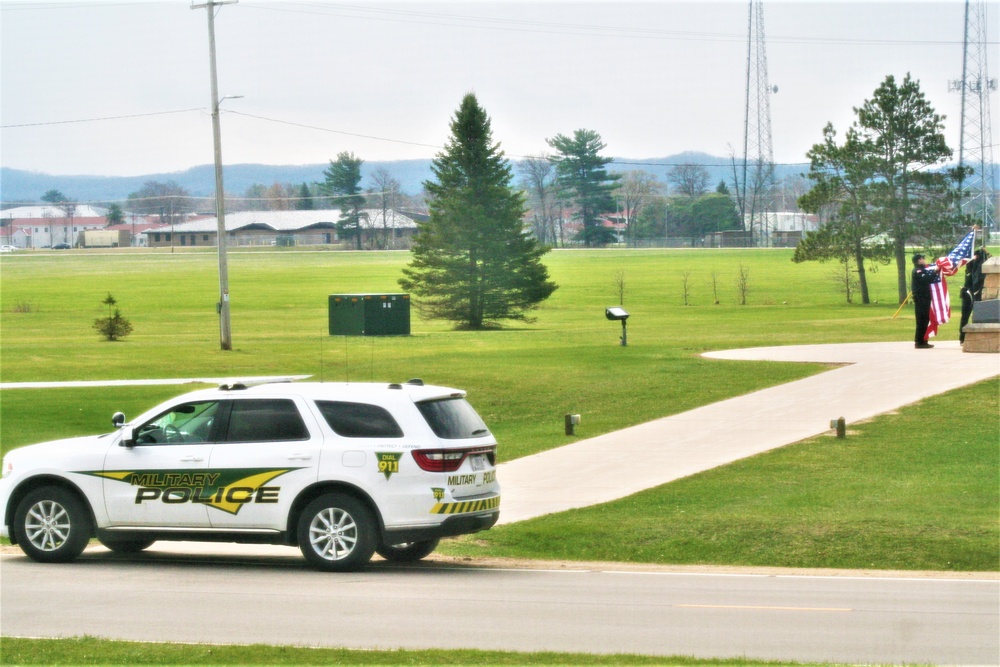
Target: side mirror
128	441
118	419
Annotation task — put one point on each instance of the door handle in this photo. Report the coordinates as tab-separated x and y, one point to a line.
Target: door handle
192	459
299	457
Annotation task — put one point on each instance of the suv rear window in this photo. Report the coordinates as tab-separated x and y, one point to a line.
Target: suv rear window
359	420
453	419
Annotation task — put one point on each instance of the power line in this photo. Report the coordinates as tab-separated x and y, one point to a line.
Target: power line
94	120
518	25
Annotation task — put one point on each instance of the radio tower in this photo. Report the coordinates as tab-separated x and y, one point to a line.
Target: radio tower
757	193
975	148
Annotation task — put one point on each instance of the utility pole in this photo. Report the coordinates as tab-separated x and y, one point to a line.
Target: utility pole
226	338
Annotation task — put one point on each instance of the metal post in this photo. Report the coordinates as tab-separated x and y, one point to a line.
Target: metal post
225	334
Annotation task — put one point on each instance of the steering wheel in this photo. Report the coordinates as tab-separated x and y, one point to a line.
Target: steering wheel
173	433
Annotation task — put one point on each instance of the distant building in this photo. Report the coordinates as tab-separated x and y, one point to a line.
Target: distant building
785	229
46	226
265	228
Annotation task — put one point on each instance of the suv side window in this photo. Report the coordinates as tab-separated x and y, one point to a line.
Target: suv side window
359	420
187	423
265	420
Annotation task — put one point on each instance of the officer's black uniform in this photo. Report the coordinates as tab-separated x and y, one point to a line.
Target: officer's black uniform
973	289
921	280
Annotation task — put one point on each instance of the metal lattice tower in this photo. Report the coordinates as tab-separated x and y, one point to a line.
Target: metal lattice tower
975	145
757	192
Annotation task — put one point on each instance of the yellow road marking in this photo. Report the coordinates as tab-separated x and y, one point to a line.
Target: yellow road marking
755	607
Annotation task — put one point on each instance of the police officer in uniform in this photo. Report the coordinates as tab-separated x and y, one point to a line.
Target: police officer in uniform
921	279
973	289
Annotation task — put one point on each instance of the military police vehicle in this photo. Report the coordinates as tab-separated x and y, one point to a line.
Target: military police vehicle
341	470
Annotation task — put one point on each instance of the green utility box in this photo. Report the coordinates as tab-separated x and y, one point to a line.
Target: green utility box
369	314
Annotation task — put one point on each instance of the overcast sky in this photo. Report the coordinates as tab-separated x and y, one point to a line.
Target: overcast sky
383	79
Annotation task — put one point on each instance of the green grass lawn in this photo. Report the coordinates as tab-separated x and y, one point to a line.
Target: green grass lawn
881	499
522	379
914	490
92	651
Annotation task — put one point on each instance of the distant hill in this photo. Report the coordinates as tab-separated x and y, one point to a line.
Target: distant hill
17	185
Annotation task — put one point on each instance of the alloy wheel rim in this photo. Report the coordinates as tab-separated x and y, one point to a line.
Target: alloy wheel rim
333	534
47	525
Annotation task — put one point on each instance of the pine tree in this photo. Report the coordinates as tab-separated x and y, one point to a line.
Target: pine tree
473	262
343	180
910	194
581	173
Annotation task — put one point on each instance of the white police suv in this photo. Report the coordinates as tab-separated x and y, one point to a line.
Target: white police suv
341	470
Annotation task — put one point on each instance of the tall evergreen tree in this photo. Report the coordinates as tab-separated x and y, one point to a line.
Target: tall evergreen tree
305	200
581	175
343	180
473	262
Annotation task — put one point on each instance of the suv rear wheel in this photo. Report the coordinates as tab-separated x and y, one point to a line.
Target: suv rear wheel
52	525
336	532
407	552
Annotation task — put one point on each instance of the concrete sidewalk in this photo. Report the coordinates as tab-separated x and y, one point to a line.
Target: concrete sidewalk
877	378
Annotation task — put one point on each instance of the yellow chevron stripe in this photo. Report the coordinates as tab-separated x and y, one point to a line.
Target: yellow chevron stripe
466	506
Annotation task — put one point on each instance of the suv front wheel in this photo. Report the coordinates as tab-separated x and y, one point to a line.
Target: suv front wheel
52	525
336	532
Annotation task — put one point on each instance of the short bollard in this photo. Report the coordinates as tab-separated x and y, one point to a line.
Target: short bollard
571	421
841	426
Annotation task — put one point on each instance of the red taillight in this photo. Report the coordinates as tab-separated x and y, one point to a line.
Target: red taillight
448	460
439	460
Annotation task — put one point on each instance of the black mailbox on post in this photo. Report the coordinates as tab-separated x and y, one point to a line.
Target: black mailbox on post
369	314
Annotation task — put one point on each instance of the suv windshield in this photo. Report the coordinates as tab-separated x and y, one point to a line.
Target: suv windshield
453	419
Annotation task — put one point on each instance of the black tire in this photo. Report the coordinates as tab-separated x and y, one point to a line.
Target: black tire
336	533
407	552
52	525
126	546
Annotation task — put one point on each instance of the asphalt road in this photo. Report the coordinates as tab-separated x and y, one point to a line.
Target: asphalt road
232	598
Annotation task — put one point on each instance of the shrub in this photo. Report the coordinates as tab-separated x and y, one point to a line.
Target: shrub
114	326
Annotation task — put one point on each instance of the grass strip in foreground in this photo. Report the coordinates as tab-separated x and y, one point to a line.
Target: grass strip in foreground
92	651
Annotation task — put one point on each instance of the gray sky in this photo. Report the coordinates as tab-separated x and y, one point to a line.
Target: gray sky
653	78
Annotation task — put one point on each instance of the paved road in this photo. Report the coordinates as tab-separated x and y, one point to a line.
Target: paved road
233	599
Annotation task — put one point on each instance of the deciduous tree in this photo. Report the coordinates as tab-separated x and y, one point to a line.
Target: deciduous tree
689	179
167	200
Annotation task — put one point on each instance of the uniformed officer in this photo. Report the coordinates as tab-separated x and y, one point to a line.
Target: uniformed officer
921	279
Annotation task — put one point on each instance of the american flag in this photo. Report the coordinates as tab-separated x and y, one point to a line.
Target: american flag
948	266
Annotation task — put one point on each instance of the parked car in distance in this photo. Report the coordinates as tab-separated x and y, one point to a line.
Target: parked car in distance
9	248
62	246
341	470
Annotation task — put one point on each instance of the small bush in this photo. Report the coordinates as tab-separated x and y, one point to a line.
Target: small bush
114	326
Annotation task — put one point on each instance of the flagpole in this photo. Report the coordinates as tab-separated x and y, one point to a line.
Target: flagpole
905	301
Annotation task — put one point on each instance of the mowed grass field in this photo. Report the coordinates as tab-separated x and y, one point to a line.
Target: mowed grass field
885	498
